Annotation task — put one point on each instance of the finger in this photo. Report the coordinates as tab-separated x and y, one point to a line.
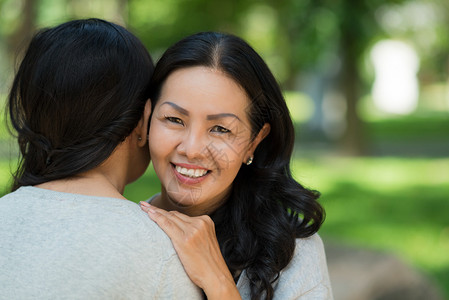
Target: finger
174	215
147	206
144	204
180	219
182	216
168	225
191	225
171	213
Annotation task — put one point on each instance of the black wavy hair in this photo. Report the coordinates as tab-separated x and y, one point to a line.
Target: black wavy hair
79	91
267	209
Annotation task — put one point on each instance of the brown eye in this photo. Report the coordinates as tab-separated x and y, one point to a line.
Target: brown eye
220	129
174	120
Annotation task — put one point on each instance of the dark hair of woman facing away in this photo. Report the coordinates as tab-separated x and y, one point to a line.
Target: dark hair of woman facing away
79	91
267	209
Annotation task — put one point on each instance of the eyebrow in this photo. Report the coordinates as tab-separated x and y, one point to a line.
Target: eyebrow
177	107
220	116
209	117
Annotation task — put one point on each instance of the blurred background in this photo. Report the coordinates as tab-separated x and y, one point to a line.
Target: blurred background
366	82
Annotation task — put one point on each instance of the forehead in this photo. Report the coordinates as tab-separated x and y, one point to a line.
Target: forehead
203	88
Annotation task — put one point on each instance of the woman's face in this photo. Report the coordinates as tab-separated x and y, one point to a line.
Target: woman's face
200	136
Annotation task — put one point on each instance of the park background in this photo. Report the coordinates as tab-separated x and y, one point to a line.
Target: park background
366	82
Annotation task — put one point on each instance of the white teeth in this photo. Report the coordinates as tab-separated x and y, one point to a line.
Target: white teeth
194	173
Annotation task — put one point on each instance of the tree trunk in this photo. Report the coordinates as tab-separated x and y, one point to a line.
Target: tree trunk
353	141
20	38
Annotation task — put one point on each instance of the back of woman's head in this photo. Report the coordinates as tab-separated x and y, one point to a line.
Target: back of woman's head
79	91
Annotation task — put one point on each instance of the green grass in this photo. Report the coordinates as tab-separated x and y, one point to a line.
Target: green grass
394	204
411	128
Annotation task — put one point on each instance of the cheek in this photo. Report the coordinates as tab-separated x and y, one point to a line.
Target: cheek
155	128
158	144
228	156
152	143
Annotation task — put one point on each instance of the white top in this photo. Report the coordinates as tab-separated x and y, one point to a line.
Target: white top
67	246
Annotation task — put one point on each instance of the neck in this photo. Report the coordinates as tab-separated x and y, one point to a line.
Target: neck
91	183
106	180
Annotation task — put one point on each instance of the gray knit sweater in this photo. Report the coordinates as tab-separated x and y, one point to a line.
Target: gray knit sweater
66	246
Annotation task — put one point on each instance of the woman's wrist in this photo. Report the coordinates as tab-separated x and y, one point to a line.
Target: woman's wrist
220	288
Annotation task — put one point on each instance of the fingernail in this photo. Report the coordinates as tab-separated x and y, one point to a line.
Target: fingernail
143	203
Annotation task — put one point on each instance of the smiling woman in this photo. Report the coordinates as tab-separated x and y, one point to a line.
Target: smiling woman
221	140
204	138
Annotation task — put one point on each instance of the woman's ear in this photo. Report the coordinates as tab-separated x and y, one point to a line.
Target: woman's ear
259	138
142	127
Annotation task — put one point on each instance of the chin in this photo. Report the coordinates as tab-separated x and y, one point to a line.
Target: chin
184	201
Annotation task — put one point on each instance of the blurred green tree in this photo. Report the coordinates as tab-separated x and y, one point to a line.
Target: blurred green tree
304	32
16	30
314	28
292	35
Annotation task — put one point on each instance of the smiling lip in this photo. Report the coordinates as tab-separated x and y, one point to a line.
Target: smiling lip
189	174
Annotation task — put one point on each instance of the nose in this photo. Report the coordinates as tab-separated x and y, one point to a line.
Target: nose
193	145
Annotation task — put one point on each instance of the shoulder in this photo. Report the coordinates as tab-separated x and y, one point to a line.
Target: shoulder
136	231
309	249
13	195
306	276
114	223
161	269
107	238
309	254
